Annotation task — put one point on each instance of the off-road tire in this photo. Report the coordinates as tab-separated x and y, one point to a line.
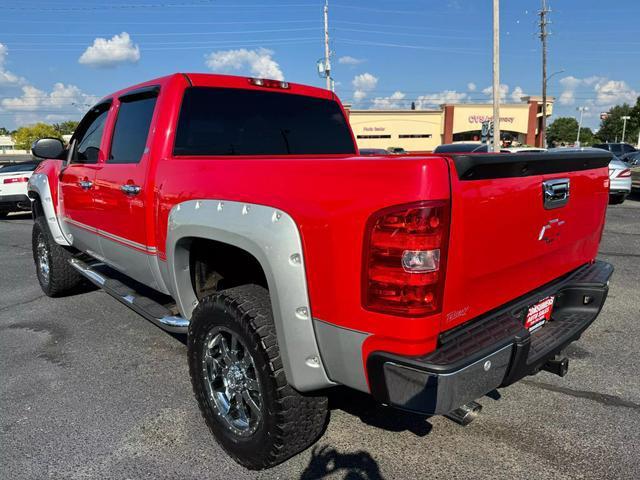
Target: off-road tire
63	278
291	422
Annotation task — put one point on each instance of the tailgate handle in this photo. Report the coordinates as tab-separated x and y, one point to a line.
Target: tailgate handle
555	193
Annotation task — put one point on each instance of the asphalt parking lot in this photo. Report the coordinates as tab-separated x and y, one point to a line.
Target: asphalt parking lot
89	389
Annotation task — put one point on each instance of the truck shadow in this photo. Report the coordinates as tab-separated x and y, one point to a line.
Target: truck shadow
376	415
327	461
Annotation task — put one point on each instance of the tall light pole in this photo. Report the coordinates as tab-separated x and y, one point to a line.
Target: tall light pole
624	125
581	110
496	76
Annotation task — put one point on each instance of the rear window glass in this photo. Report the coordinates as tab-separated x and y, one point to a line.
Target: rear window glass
226	121
19	167
616	148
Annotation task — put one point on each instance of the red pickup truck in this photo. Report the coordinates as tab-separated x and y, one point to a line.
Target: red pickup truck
238	211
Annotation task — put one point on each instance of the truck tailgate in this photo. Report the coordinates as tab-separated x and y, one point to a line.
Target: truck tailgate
505	240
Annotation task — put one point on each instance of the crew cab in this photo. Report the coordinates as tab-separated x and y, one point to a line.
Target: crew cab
237	211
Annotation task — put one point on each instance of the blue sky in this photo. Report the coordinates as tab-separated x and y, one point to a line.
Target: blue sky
57	57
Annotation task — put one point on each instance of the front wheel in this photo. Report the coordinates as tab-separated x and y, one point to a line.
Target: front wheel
56	276
237	377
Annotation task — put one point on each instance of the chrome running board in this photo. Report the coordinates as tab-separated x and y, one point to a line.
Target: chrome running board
148	308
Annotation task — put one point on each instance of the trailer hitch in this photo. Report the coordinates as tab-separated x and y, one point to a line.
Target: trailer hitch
558	366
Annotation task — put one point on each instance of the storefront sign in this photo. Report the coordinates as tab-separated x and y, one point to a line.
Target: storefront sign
488	118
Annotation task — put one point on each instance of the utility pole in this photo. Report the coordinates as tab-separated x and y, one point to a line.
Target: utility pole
581	110
496	75
327	60
624	125
543	37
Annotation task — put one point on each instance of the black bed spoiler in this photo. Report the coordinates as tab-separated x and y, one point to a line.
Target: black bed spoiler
482	166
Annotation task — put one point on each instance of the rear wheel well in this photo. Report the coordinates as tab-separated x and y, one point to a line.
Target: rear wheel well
218	266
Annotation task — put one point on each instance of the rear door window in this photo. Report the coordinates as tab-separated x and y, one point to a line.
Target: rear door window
132	128
227	121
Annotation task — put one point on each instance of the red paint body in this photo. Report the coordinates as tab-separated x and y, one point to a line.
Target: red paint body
494	252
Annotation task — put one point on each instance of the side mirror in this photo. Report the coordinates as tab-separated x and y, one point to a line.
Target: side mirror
47	148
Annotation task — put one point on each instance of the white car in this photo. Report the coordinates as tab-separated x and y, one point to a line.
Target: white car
620	181
13	187
619	175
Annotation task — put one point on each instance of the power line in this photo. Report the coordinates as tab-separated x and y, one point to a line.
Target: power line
194	46
103	7
417	47
164	34
408	34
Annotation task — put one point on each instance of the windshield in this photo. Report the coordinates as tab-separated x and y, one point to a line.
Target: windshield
228	121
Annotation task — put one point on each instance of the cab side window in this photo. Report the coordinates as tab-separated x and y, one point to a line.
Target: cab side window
88	135
132	128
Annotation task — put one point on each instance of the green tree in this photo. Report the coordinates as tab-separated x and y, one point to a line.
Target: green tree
611	127
26	135
4	131
564	130
66	128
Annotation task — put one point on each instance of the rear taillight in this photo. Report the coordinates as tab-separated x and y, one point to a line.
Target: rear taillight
624	173
404	262
16	180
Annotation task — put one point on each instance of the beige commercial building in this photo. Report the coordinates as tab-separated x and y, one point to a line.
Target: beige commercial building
423	130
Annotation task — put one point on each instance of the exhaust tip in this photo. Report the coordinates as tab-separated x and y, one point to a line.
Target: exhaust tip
465	414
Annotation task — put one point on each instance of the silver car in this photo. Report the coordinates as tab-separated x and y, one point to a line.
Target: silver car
619	175
620	181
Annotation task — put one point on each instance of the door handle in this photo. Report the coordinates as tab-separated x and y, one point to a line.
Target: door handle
130	189
85	184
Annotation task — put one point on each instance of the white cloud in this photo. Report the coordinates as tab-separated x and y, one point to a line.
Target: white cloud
258	62
362	85
349	60
596	93
471	87
32	104
614	92
6	77
110	53
394	101
517	94
503	90
436	99
63	102
570	84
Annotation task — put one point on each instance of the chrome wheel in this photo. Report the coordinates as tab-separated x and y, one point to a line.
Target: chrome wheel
231	381
42	252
